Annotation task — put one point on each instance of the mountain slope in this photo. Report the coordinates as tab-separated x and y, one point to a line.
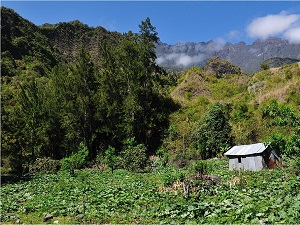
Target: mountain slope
278	62
23	45
244	96
68	38
219	68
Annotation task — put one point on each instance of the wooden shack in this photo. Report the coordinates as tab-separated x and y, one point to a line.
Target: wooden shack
253	157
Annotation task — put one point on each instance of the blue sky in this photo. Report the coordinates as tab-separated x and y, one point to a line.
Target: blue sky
175	21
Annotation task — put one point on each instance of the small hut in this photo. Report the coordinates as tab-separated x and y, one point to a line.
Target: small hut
253	157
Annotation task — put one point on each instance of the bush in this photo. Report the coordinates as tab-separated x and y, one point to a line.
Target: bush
202	167
110	158
163	157
76	160
181	163
293	144
168	179
134	156
296	166
213	132
45	166
264	66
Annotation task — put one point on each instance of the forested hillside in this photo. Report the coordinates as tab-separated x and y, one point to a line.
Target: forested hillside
68	86
94	131
50	105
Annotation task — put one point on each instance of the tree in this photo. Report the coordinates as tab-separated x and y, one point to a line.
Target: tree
264	66
213	133
76	161
134	155
111	158
74	88
283	118
136	108
34	116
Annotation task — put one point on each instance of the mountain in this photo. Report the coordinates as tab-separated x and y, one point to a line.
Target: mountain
25	45
247	57
219	68
278	62
51	43
67	38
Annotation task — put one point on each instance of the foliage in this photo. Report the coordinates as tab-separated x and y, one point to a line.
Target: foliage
44	166
172	176
73	86
212	134
202	167
280	115
76	160
124	197
134	155
264	66
278	143
111	158
67	83
220	68
51	105
293	144
285	117
137	107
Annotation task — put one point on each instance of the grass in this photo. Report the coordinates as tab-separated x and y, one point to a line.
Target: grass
123	197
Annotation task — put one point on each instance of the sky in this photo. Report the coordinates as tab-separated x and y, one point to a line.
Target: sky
175	21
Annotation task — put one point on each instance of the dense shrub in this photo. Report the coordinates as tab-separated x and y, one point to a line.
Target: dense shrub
170	177
45	166
202	167
213	133
134	155
293	144
111	158
76	160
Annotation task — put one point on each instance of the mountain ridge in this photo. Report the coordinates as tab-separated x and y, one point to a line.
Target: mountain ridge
248	57
63	40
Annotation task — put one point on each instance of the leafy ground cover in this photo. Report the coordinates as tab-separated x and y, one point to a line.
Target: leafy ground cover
92	196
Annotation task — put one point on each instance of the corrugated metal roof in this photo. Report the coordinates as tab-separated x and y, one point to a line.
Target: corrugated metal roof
247	149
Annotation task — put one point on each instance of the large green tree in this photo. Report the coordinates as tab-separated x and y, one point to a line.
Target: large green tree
213	133
73	88
129	101
25	122
281	117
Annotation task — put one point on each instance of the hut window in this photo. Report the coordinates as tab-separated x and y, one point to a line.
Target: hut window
239	160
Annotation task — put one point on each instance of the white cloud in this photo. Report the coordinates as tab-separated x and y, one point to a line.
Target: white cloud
184	60
234	35
218	44
272	25
172	56
293	35
160	60
180	59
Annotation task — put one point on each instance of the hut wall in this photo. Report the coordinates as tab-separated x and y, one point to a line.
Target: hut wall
259	162
234	163
249	162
